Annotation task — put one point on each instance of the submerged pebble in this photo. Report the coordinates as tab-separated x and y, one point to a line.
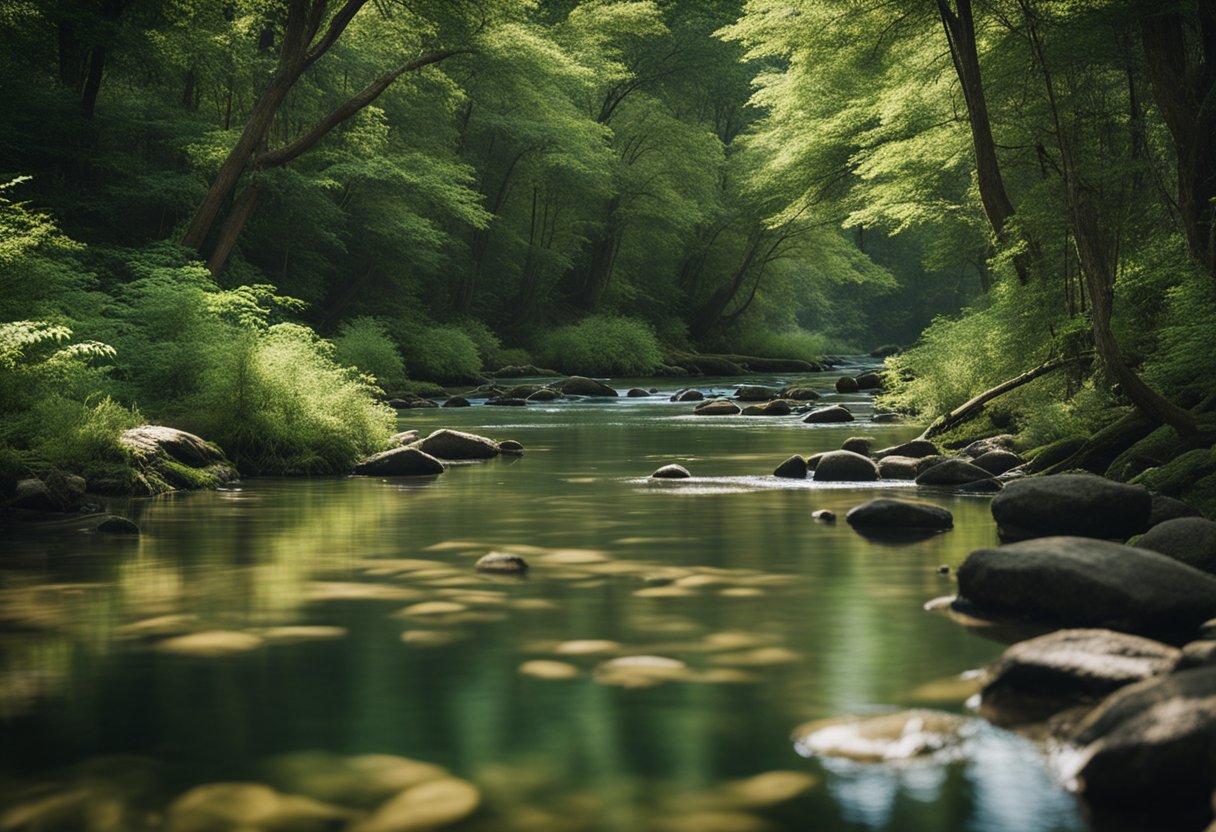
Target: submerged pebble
551	670
211	644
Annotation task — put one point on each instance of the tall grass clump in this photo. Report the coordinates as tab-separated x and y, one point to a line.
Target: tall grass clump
602	345
365	343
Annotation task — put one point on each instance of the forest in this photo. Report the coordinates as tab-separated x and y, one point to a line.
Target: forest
431	191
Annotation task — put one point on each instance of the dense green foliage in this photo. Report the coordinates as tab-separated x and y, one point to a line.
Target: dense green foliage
603	345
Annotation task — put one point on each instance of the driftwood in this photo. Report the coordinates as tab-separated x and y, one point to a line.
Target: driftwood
975	406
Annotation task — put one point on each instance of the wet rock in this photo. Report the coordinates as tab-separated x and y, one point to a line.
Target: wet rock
545	394
898	467
777	407
406	437
211	644
885	418
793	468
1149	744
399	462
1071	504
1078	581
455	444
456	401
847	384
688	396
835	413
799	393
824	515
637	393
582	386
719	407
423	808
502	563
882	738
756	393
858	445
117	525
504	401
845	466
998	462
1167	508
812	461
869	381
1036	678
35	495
1191	540
917	449
952	472
887	514
979	487
671	472
510	447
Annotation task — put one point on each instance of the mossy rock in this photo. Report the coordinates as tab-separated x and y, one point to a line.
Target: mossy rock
1053	453
1159	448
1181	476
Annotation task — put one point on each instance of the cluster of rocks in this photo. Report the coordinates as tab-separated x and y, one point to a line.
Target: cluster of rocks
496	395
1127	686
979	469
414	456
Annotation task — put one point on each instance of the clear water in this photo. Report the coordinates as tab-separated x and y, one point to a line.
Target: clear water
820	621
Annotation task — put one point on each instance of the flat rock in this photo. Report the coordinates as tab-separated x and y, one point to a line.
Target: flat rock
952	472
835	413
1191	540
845	466
917	449
455	444
671	472
1149	744
399	462
898	467
718	407
885	513
1084	505
583	386
793	468
1041	676
1079	581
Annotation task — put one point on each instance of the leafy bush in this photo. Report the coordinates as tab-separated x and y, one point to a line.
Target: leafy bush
365	343
602	345
794	343
440	353
512	357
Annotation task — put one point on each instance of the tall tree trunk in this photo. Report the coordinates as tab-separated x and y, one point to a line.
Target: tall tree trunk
231	228
1094	253
599	269
709	314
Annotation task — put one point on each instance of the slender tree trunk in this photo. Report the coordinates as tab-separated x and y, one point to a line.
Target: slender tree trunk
231	228
710	313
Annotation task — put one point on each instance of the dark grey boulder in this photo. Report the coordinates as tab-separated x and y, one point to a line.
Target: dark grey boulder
1083	582
824	515
1150	744
456	401
898	467
503	563
952	472
399	462
835	413
799	393
671	472
979	487
869	381
917	448
756	393
637	393
925	463
884	418
455	444
511	447
1167	508
406	437
688	396
1191	540
582	386
884	513
846	384
1041	676
812	461
1071	504
793	468
858	444
777	407
845	466
117	525
35	495
998	462
718	407
545	394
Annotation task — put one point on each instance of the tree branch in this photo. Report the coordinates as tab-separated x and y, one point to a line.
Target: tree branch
336	27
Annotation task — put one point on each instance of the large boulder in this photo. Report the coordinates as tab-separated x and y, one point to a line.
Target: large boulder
898	467
799	393
1168	508
545	394
406	437
846	384
637	393
845	466
1082	582
1071	504
756	393
952	472
888	514
400	462
777	407
858	444
1149	744
1191	540
456	401
455	444
184	447
582	386
917	448
35	495
835	413
167	459
793	468
718	407
1036	678
688	396
998	462
869	381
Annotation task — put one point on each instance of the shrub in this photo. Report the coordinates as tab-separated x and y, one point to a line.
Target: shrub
512	357
793	343
602	345
440	353
365	343
489	347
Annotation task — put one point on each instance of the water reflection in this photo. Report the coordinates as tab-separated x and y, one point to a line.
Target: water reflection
774	619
